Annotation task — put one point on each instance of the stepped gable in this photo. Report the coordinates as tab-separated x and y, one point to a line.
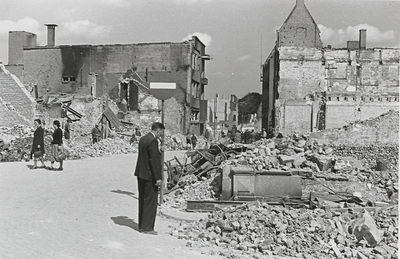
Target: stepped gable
17	106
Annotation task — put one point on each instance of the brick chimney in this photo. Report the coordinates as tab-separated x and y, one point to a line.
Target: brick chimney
51	34
363	39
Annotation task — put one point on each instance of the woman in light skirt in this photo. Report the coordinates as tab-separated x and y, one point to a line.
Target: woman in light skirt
56	146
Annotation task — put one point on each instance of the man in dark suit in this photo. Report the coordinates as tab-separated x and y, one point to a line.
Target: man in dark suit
148	172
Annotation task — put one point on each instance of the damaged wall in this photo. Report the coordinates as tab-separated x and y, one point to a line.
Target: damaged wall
380	130
70	69
358	85
16	102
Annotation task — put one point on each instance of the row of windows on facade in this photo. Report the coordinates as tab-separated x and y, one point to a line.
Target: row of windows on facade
301	59
371	99
195	89
196	60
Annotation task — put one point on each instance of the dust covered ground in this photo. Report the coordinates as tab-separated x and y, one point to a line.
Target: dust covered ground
89	210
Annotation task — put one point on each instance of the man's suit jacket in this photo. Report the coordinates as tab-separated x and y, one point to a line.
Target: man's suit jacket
148	165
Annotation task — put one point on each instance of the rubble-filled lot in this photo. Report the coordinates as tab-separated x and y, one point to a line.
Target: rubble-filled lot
364	226
258	230
349	207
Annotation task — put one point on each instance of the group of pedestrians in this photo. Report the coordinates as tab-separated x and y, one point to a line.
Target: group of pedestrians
250	136
57	153
191	141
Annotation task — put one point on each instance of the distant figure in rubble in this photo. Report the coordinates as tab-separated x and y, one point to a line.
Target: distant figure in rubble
264	133
67	133
137	132
246	136
46	97
252	136
188	142
270	133
193	140
238	137
96	133
133	139
38	144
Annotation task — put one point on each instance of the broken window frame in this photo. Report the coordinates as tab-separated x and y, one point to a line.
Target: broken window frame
68	79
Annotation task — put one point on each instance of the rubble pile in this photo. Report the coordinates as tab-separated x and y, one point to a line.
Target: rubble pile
371	154
109	146
260	229
287	154
14	132
362	225
194	189
81	129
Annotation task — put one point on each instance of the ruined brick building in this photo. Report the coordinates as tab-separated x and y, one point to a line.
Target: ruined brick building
308	87
223	110
122	71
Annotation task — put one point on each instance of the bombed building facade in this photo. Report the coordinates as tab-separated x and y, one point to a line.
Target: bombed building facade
121	71
223	110
308	87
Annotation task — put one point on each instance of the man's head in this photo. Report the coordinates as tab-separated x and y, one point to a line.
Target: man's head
37	122
157	128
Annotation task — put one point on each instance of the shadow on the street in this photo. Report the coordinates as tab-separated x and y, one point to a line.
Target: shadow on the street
125	192
125	221
31	167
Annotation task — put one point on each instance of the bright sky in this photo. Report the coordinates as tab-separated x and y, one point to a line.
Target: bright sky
238	34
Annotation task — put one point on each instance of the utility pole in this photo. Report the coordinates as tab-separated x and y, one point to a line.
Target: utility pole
215	115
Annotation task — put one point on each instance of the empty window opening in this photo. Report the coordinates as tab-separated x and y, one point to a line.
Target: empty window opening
67	79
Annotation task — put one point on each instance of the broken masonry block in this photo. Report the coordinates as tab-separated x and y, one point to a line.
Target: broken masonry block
283	159
364	228
323	162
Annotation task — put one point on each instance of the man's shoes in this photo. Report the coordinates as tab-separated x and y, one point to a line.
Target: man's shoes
151	232
60	169
34	167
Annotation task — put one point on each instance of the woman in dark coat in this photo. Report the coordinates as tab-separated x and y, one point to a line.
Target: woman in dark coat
38	144
56	146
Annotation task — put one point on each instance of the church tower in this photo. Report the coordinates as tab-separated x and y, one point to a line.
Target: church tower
299	29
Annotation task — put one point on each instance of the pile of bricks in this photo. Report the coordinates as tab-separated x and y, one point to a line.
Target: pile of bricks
258	229
340	231
109	146
195	189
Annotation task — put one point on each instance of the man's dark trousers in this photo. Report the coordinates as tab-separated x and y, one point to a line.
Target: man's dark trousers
148	202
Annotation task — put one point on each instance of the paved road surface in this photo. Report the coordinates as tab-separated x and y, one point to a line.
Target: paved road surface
89	210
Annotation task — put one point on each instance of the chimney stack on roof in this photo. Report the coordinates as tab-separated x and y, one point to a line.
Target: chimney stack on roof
363	39
51	34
